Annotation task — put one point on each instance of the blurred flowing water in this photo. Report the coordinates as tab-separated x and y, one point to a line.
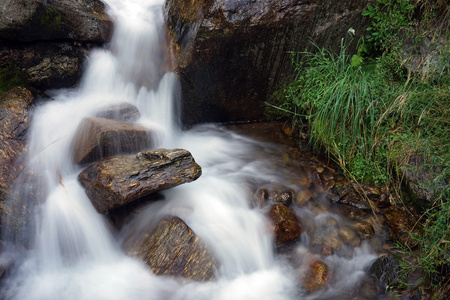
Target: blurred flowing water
76	255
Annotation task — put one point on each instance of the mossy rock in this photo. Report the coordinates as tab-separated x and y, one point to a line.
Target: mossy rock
11	76
51	19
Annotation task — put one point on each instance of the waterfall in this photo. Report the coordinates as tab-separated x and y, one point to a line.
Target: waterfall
76	255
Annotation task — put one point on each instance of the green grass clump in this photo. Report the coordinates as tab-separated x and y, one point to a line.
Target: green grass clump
372	111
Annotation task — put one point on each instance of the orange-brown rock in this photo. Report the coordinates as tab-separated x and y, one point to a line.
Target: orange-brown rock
14	106
173	249
118	180
98	138
401	225
285	223
316	276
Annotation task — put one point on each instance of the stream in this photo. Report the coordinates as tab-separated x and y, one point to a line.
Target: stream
75	253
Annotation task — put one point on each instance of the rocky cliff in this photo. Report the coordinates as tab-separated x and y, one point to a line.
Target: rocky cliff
231	55
45	42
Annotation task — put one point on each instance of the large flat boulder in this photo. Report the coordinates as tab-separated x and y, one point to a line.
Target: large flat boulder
118	180
231	55
173	249
98	138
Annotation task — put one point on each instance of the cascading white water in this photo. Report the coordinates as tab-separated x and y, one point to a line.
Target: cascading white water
76	256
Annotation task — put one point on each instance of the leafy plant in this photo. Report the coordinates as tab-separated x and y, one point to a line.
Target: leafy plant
389	16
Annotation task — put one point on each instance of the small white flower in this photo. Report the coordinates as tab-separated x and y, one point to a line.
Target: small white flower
351	31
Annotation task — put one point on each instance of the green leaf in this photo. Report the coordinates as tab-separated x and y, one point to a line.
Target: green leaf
356	61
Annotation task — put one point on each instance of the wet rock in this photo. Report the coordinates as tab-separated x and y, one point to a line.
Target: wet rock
316	276
304	182
14	107
232	55
285	198
98	138
302	197
364	229
324	237
349	237
82	20
260	198
401	225
286	226
124	112
173	249
45	45
115	181
385	270
44	65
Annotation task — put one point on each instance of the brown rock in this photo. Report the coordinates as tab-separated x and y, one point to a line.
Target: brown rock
124	112
284	197
260	198
14	106
401	225
285	224
303	197
316	276
98	138
115	181
364	229
173	249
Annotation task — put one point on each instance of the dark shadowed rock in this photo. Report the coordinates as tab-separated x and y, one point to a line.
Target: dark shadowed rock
124	112
45	42
285	224
115	181
385	270
232	55
173	249
31	20
421	177
98	138
44	65
14	106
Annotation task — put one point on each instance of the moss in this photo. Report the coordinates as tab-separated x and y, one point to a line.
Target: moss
51	19
11	76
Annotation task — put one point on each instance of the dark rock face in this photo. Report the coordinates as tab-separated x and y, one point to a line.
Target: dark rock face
115	181
174	249
45	65
232	55
285	224
81	20
98	138
14	106
48	40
